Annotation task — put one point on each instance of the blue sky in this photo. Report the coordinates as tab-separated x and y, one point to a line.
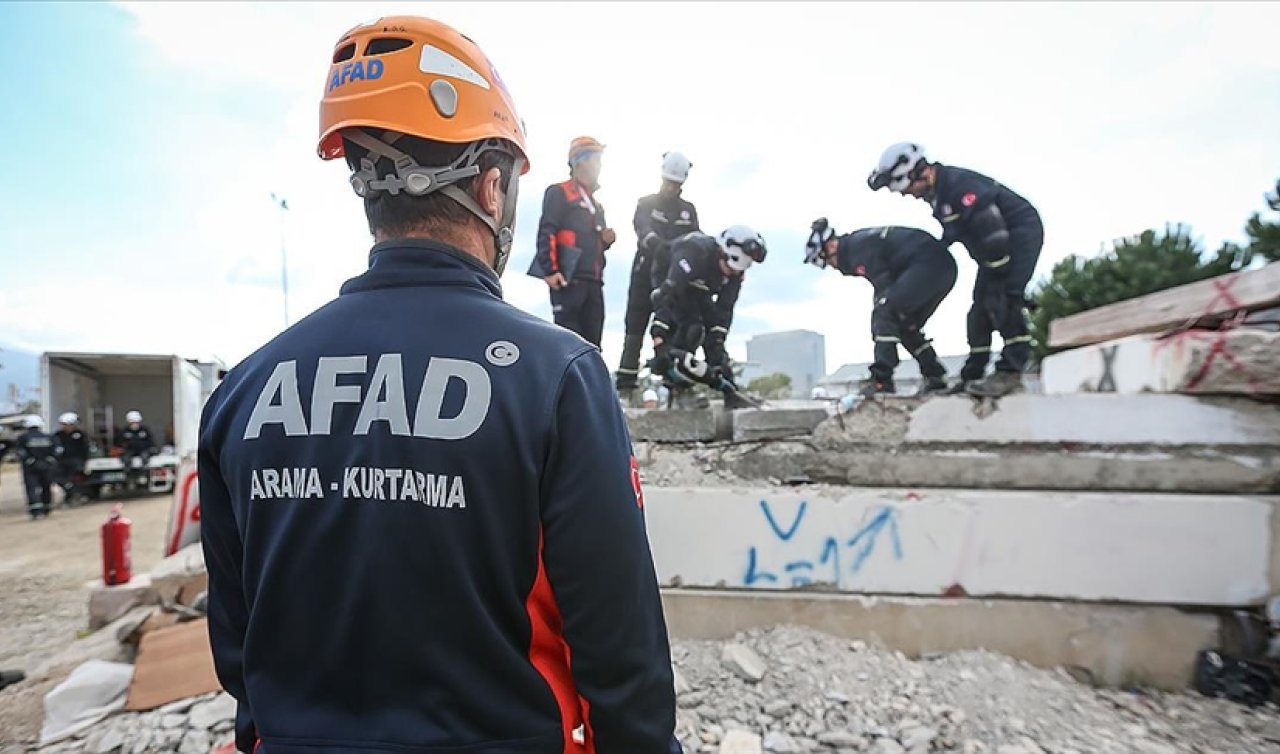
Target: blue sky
143	141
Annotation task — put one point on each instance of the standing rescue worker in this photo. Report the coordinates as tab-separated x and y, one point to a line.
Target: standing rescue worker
660	219
572	239
39	464
421	517
911	273
693	307
1002	233
72	448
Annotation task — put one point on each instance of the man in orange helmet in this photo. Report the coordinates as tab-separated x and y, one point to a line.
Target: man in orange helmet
402	555
572	239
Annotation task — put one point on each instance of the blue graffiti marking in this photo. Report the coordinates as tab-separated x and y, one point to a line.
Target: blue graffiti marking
795	524
752	576
868	534
800	579
831	552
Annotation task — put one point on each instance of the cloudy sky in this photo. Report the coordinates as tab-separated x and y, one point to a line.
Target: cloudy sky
142	143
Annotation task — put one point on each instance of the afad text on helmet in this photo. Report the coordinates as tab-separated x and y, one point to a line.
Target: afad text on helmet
354	70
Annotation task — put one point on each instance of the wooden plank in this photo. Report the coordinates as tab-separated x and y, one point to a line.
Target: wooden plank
173	663
1251	289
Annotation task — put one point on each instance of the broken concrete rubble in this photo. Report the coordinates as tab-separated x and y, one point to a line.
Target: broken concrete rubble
775	424
656	425
107	603
181	576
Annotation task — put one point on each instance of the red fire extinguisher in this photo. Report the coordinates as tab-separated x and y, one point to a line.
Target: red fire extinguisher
117	566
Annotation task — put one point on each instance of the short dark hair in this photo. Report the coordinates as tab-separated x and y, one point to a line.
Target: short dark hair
401	214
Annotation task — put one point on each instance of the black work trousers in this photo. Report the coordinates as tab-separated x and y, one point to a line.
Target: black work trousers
1009	317
900	315
639	311
579	307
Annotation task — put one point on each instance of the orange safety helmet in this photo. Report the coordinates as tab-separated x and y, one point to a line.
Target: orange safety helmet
415	76
583	147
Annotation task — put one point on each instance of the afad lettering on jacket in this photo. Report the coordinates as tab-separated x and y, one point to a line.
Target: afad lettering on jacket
356	70
280	401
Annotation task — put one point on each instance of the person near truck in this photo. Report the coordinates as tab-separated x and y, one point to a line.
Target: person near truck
420	513
572	239
693	307
910	272
72	448
1002	233
660	219
135	439
39	461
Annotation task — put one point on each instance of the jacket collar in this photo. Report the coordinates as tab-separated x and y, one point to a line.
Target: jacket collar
418	261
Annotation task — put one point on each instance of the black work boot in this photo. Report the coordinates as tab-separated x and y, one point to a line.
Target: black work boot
960	387
997	385
872	386
933	386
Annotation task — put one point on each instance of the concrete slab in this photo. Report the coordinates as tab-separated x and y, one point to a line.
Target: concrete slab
1124	547
1190	470
659	425
1118	646
775	423
1241	361
1097	419
107	603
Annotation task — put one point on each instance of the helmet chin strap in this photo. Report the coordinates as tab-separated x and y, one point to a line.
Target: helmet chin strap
416	180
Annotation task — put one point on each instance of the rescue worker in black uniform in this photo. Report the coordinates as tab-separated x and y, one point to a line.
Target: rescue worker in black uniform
72	447
660	219
911	273
573	236
421	516
39	464
1002	233
135	439
693	307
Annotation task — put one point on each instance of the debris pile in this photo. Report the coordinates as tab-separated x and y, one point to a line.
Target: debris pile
788	690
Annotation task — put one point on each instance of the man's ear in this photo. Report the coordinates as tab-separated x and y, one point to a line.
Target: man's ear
489	192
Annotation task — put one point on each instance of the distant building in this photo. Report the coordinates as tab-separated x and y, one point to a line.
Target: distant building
799	354
906	378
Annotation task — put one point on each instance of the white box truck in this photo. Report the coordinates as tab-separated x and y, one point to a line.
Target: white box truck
168	390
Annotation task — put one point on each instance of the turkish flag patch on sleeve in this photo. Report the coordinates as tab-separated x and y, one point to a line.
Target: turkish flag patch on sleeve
968	199
635	483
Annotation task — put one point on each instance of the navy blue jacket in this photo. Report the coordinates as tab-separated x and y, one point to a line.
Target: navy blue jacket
425	533
883	255
961	195
571	217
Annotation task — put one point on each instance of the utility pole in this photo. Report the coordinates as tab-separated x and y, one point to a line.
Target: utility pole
283	205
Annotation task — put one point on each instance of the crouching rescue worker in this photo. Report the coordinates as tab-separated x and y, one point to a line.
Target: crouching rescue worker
39	462
572	239
135	439
911	273
660	219
420	513
693	307
1002	233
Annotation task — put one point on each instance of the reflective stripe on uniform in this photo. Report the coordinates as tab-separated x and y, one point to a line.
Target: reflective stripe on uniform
660	323
886	339
1019	339
999	262
927	346
980	349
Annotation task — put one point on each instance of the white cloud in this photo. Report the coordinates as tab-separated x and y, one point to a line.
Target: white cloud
1111	118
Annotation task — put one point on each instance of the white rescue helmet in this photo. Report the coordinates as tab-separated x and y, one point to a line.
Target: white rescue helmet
899	165
675	167
649	398
33	422
69	418
133	417
742	247
819	233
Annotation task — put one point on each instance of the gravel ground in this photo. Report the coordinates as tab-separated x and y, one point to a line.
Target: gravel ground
44	566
